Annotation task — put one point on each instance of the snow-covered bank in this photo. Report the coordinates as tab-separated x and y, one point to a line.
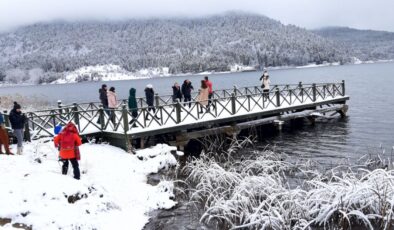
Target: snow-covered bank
112	192
109	73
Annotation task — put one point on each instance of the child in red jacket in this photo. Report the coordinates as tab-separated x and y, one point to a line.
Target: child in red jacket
68	141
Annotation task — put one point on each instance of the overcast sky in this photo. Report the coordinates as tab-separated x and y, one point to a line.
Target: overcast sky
364	14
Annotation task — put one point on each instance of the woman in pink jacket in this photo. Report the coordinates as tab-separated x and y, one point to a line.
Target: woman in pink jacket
203	95
112	103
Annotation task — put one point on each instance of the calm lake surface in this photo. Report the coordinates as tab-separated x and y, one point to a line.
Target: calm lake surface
371	107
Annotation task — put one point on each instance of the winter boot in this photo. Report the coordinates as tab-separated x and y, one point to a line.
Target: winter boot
19	151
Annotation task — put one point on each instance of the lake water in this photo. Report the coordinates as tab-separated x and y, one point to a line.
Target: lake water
371	106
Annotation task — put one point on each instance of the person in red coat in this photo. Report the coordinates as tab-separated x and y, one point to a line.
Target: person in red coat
68	141
4	137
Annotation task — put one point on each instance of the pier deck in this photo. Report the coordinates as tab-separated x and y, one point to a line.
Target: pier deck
231	110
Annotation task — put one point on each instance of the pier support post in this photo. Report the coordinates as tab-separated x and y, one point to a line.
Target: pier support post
27	130
343	111
101	117
157	100
233	108
125	119
343	88
279	124
178	110
59	105
313	92
125	116
312	120
277	95
301	91
76	115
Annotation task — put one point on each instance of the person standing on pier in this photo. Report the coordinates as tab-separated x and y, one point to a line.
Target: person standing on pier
176	92
18	121
4	140
103	96
150	99
104	99
68	142
210	90
133	107
187	92
203	95
265	84
112	104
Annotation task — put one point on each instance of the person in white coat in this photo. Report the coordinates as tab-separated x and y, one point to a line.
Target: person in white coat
265	84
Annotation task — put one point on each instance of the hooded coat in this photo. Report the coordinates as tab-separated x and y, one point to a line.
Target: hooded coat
150	96
17	119
187	89
176	93
103	97
69	132
111	100
133	106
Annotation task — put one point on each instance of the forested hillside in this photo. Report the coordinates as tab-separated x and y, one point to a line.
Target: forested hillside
45	52
364	44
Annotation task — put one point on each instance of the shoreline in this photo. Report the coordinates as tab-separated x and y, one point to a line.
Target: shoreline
247	69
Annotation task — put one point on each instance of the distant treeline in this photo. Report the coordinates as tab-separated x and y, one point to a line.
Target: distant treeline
43	52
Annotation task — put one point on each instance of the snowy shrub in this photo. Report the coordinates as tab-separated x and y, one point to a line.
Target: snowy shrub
257	193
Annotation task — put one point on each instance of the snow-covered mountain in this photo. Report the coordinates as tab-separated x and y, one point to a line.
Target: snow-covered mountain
366	45
191	45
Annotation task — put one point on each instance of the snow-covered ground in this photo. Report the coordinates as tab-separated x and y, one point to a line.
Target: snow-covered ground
109	73
113	193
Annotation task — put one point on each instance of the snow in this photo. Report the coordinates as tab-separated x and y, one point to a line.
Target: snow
113	187
110	72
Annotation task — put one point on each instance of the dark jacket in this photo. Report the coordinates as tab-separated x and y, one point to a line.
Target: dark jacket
103	97
187	89
17	119
1	118
133	106
150	96
176	93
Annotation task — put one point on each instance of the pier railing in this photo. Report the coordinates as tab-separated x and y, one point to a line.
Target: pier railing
93	118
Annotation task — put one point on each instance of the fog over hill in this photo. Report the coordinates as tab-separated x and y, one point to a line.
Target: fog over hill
47	51
365	44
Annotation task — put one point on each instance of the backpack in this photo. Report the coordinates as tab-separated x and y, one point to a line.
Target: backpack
67	141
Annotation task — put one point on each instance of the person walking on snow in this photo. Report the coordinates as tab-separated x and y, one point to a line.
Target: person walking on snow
265	84
203	95
18	121
112	103
4	140
187	92
133	106
150	99
176	92
68	142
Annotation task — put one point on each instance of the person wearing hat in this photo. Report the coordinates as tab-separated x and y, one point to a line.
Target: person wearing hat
18	120
150	99
112	103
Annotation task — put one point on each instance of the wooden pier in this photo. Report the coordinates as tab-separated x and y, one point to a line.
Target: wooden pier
231	111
